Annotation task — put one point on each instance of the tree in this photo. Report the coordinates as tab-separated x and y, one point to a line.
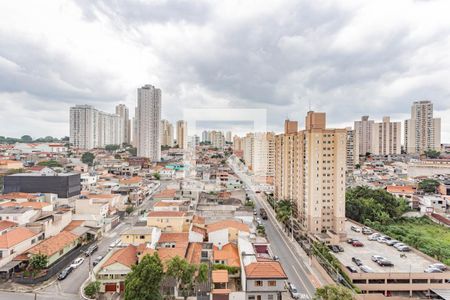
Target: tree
88	158
283	210
26	139
38	262
132	151
144	280
185	274
429	185
432	153
92	289
333	292
157	176
50	163
129	209
112	148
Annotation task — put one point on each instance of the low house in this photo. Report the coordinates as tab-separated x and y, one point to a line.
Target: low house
169	221
111	274
263	280
42	206
220	281
167	194
6	226
18	214
15	241
139	235
56	246
227	255
227	231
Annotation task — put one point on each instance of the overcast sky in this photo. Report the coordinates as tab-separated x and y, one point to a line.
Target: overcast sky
346	58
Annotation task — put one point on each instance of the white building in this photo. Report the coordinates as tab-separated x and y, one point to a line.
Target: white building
124	116
166	133
386	137
363	131
422	131
148	122
182	137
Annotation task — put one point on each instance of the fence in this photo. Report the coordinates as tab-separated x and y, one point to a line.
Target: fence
53	269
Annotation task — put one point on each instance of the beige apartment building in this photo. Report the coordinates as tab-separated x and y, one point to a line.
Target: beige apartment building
352	149
310	167
182	134
364	131
167	133
386	137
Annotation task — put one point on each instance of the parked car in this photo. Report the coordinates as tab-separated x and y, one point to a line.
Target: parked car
255	212
114	244
404	248
276	258
334	248
91	250
64	273
355	228
366	230
385	263
350	241
366	269
357	261
374	236
439	266
376	258
392	242
77	262
432	270
97	260
357	244
341	249
397	245
293	290
352	269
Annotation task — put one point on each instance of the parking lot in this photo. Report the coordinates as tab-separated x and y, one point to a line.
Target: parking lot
412	263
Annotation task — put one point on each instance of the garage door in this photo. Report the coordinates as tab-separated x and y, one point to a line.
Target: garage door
122	287
110	287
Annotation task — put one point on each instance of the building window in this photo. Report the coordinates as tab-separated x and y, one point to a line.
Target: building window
272	283
269	297
258	283
251	297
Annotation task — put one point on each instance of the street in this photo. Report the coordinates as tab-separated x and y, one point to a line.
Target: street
281	244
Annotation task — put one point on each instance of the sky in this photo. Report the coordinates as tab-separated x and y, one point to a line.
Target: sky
346	58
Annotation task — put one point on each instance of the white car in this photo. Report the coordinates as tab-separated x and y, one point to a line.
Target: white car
355	228
77	262
438	266
376	258
374	237
366	269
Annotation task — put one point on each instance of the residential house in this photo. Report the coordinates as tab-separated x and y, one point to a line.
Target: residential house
139	235
227	231
169	221
19	215
264	280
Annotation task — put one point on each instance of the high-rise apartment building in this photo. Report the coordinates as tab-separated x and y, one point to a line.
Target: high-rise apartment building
91	128
263	154
228	137
310	167
167	133
124	115
148	122
247	149
352	149
363	130
205	136
182	134
386	137
217	139
84	126
422	131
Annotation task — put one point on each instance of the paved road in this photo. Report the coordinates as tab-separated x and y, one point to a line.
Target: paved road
281	244
39	296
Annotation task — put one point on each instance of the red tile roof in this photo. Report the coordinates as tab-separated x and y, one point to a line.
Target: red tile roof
168	193
174	237
266	270
15	236
167	214
125	256
400	189
54	244
5	224
229	254
227	224
219	276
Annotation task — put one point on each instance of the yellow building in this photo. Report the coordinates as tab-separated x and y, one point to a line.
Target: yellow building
137	235
310	170
169	221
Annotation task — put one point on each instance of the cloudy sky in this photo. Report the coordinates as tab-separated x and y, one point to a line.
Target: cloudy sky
347	58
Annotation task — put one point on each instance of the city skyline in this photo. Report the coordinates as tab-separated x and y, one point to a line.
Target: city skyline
320	57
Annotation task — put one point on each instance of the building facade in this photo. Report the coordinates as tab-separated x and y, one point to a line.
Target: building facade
182	138
167	133
310	170
352	149
386	137
364	132
124	116
148	122
422	130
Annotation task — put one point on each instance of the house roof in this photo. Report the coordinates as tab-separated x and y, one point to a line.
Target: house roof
227	224
265	269
15	236
408	189
199	230
219	276
198	220
125	256
101	196
73	224
166	214
5	224
167	193
34	205
54	244
168	253
18	195
229	253
166	204
194	253
174	237
138	230
132	180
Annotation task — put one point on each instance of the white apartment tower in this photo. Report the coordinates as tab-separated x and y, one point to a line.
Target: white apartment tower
124	115
422	131
182	137
386	137
166	133
352	149
84	127
148	122
363	130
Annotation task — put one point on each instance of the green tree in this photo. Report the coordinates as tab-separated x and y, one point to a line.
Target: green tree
428	185
333	292
432	153
38	262
92	289
144	280
112	148
50	163
157	176
26	139
186	274
132	151
88	158
129	209
283	210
